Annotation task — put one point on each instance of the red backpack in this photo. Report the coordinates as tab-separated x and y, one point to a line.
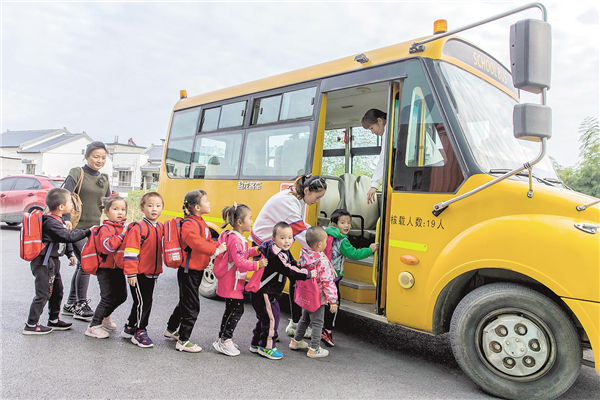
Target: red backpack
171	246
119	262
31	235
91	255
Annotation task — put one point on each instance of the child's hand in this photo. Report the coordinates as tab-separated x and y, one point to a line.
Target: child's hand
72	261
222	247
333	308
313	273
374	247
69	226
132	281
263	263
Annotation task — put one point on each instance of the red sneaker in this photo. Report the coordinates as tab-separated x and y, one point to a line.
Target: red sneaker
327	337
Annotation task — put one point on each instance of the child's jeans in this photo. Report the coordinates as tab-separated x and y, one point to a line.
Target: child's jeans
317	318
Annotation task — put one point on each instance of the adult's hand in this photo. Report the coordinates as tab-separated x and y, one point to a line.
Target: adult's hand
371	195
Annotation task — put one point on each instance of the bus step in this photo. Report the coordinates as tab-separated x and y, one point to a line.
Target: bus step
357	291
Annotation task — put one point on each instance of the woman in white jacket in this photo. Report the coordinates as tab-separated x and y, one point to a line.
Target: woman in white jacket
290	206
375	120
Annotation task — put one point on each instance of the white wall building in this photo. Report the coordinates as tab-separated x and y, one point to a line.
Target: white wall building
51	152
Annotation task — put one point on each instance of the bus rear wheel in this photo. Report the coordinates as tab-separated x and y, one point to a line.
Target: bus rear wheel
515	343
208	286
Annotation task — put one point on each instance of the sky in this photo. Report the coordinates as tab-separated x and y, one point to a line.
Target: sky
115	69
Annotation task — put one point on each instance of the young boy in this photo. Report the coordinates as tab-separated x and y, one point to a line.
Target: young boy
142	262
281	264
341	223
315	260
46	266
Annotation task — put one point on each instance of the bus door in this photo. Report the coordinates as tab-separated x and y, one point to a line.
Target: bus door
423	171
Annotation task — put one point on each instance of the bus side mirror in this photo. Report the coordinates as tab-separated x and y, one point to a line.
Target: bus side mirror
532	122
530	55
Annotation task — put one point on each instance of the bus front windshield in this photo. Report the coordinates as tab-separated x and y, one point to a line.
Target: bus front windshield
485	115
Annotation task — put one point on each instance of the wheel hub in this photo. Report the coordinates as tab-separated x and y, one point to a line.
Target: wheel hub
515	345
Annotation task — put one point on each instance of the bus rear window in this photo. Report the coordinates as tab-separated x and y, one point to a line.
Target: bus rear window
276	152
184	124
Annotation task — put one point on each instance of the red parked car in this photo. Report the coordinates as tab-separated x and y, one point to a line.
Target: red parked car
24	193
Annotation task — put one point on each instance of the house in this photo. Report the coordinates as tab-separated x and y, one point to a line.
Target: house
127	161
51	152
151	170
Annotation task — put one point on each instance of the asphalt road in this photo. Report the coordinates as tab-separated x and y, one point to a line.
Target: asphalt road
370	359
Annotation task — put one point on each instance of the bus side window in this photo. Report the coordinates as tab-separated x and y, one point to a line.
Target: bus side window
424	158
276	152
216	156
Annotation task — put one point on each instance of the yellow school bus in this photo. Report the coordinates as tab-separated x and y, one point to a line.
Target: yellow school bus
478	236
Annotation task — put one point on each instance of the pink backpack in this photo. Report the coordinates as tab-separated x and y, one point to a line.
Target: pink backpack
329	248
308	294
221	265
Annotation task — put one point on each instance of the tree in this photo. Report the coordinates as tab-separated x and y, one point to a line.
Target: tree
585	176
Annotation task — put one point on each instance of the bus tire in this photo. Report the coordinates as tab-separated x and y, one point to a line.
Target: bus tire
208	285
515	343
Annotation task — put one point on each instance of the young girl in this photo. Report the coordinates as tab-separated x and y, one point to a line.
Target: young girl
113	289
142	261
195	235
231	286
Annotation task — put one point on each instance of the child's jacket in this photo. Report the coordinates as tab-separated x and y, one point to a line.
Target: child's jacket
143	258
54	231
312	260
110	238
281	265
342	249
231	286
196	235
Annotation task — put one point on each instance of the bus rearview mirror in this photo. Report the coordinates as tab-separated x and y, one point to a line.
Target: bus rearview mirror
530	55
532	122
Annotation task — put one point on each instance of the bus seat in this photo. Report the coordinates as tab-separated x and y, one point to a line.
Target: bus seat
356	189
330	201
293	157
213	166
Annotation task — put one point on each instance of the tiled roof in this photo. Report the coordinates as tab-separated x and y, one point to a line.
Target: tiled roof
154	152
50	143
16	138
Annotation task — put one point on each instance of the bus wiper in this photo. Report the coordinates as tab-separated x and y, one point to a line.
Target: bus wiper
525	174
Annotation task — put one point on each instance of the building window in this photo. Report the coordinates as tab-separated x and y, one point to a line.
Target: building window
125	178
30	169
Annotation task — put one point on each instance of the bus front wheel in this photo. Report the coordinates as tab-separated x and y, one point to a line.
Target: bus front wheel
515	343
208	286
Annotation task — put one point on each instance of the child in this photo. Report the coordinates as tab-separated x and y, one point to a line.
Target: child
265	301
113	289
195	235
142	262
341	223
315	260
231	286
46	266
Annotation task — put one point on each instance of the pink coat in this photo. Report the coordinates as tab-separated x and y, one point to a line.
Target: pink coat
325	273
231	286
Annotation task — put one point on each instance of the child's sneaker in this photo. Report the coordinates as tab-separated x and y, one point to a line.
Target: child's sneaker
128	332
253	349
171	334
272	354
142	339
108	324
83	311
226	347
298	345
68	309
291	328
188	346
327	337
318	353
59	325
36	330
96	332
308	332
